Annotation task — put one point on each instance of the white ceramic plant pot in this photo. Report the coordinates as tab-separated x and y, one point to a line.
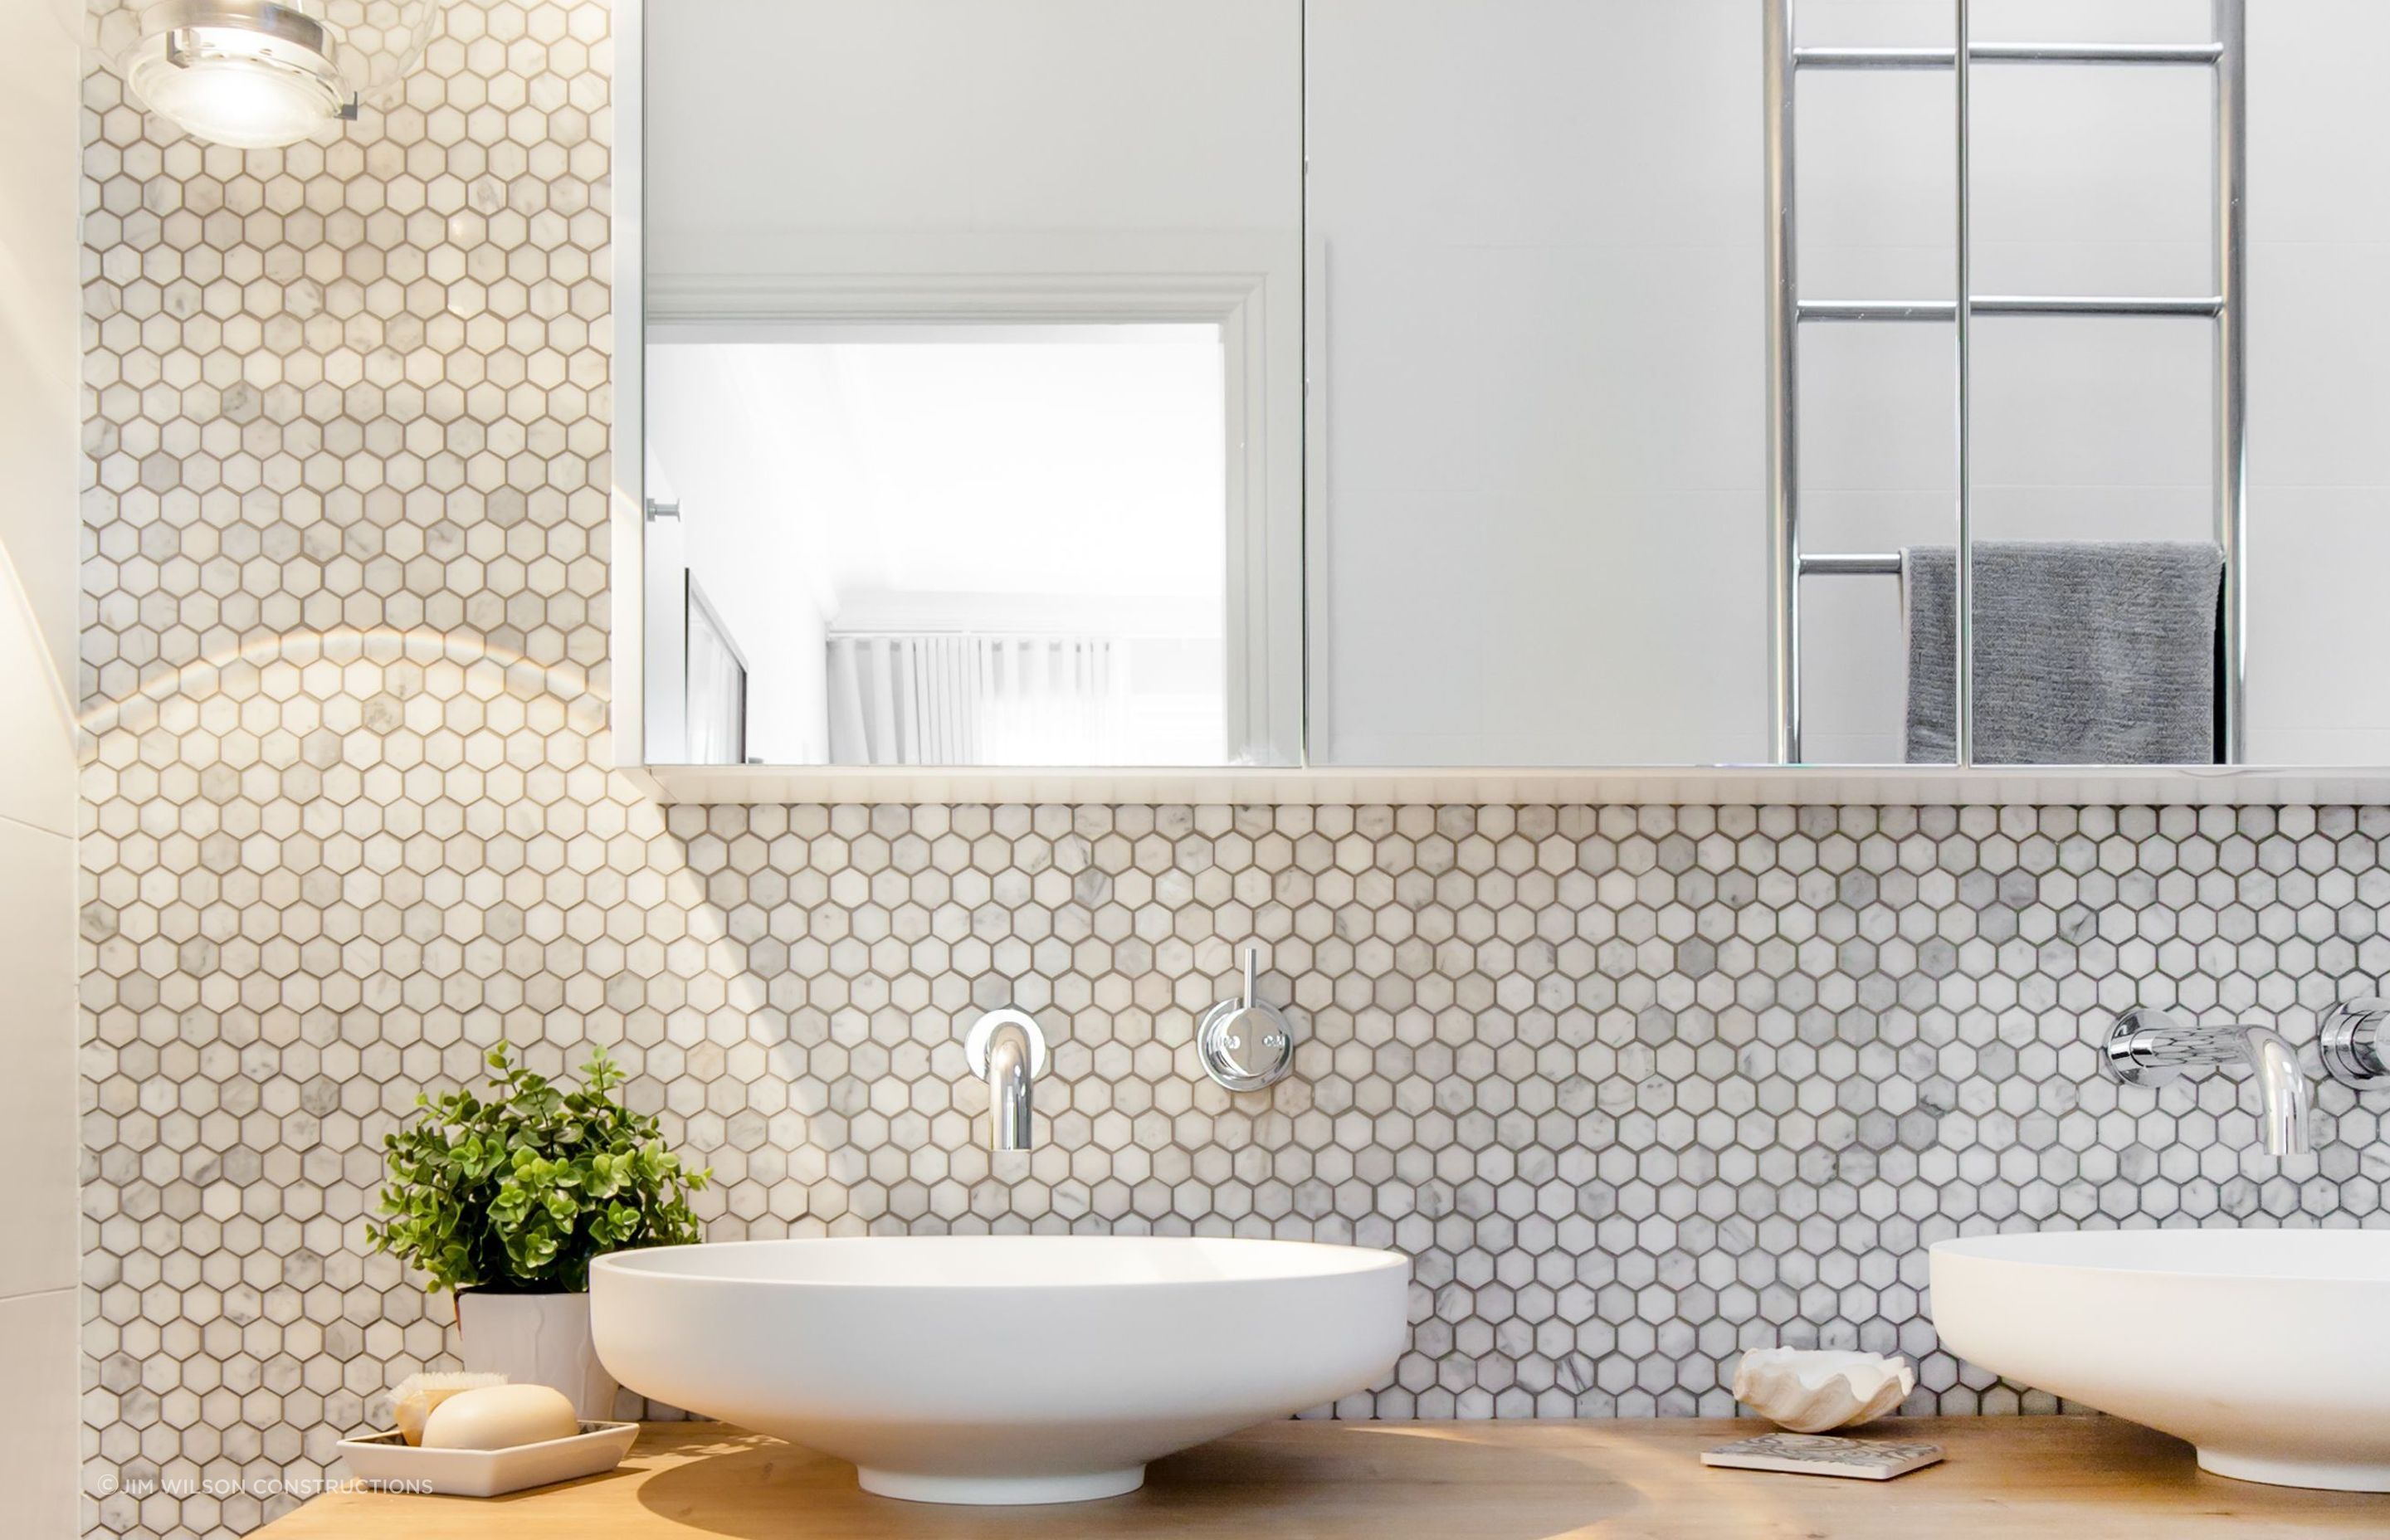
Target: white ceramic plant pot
537	1340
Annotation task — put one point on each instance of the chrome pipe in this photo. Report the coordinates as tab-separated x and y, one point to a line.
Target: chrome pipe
2198	307
2231	368
1876	310
2071	304
2094	52
1783	396
1963	626
1854	564
2009	53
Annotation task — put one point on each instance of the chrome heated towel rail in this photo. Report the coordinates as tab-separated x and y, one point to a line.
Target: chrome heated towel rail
1787	312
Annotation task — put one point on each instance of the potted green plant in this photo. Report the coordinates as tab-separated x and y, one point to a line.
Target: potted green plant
505	1198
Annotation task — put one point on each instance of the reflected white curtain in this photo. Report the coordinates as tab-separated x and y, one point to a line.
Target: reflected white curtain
716	691
969	699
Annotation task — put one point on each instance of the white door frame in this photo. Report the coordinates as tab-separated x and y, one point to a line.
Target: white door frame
1227	280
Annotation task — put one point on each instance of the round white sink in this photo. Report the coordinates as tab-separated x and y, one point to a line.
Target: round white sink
1000	1369
2268	1349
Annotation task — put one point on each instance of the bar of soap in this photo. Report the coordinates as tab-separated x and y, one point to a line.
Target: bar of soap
411	1403
500	1416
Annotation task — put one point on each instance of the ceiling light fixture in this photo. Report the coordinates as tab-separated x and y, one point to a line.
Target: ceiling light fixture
240	72
255	74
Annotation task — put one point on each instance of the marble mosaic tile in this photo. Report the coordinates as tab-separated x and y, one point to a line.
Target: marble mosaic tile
1635	1087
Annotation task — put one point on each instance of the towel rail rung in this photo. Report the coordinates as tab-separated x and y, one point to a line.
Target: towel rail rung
2009	53
1851	564
2201	307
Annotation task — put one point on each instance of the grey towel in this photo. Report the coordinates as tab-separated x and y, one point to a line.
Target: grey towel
2086	652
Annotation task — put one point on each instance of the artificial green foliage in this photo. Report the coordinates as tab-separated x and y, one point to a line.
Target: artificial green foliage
515	1193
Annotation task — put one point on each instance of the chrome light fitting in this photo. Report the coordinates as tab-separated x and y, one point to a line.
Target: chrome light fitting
247	73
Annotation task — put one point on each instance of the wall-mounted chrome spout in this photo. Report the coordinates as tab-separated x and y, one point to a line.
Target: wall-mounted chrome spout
1007	1050
2149	1047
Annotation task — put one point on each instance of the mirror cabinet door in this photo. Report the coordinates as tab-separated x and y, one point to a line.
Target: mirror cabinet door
1538	292
973	382
1541	261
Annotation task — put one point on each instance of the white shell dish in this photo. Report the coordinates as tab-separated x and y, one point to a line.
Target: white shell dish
1810	1393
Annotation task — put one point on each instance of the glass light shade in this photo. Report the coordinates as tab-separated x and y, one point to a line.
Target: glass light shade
249	87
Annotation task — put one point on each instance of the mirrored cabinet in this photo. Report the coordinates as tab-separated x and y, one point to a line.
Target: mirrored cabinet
1456	386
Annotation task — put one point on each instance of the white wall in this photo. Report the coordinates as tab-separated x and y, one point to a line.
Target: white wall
40	374
1537	238
2319	381
896	126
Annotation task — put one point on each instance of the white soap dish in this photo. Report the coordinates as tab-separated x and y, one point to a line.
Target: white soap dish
385	1459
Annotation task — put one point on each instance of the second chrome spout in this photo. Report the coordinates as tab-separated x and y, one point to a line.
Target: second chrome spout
2146	1047
2281	1089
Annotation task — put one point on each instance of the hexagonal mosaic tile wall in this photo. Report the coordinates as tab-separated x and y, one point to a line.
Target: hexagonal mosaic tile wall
1635	1089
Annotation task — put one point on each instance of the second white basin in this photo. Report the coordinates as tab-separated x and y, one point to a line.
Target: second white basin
1000	1369
2268	1349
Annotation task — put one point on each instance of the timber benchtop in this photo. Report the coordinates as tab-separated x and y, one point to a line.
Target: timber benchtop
2073	1477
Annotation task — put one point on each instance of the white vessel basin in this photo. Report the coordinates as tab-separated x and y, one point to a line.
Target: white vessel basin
1000	1369
2268	1349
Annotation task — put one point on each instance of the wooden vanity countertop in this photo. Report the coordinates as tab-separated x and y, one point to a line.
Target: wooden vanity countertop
2078	1478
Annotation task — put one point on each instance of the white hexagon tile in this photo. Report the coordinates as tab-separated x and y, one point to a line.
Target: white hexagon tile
1636	1087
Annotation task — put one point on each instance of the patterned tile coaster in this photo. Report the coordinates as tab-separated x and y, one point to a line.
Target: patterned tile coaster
1812	1455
